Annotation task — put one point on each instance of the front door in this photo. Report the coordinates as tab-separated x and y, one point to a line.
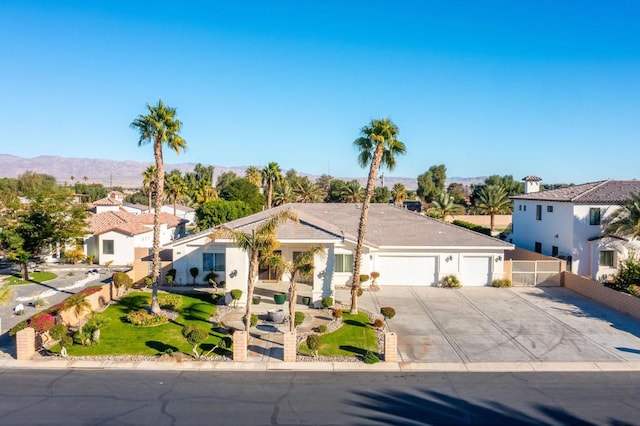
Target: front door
266	273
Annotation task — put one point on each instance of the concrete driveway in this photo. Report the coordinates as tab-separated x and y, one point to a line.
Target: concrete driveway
485	324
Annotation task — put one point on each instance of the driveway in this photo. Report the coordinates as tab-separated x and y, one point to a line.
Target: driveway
485	324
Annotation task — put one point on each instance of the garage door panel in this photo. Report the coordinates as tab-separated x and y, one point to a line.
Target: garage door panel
406	270
476	271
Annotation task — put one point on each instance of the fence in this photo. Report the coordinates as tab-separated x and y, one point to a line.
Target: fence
542	273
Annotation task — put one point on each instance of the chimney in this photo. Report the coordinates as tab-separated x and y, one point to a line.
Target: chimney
531	184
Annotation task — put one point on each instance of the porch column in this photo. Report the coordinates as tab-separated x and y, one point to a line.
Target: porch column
322	276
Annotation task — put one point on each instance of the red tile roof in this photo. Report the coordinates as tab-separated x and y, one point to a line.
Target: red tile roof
127	223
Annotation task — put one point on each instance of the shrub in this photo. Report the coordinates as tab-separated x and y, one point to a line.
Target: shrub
211	278
194	273
364	278
82	337
375	275
142	318
148	281
370	358
18	327
313	342
66	341
171	273
122	280
378	323
337	313
501	283
42	322
388	312
327	302
236	294
195	335
473	227
320	329
299	318
253	322
634	289
359	292
170	301
450	281
58	331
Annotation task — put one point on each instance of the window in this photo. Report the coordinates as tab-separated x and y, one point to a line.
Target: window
607	258
343	263
594	216
538	212
520	207
524	207
213	262
554	251
549	209
538	248
107	246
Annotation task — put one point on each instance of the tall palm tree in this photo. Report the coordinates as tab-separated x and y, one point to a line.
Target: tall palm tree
625	221
148	177
204	192
399	193
308	192
253	175
378	147
443	204
283	194
160	126
176	187
271	175
353	192
493	200
259	243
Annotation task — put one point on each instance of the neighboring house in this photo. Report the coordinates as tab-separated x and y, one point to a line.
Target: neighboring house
183	212
406	248
569	223
116	233
136	208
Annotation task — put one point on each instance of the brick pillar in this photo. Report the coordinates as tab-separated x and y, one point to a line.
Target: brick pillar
25	343
290	350
390	347
240	346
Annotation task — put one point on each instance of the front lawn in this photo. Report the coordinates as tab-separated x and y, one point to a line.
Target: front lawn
34	278
119	337
354	338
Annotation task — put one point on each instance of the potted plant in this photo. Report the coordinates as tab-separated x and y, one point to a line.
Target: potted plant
306	300
280	298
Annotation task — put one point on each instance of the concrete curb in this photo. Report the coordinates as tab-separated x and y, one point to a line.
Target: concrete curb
387	367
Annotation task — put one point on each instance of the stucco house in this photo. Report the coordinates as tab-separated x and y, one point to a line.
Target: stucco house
569	223
405	247
183	212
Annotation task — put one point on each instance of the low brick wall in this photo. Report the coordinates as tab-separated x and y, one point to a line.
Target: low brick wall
621	302
97	300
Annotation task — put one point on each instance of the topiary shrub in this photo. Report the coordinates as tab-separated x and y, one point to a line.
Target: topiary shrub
122	281
42	322
473	227
388	312
327	302
337	313
236	294
359	292
170	301
142	318
313	343
299	318
66	341
194	274
58	331
364	278
253	322
370	358
148	281
211	278
378	323
171	273
195	335
18	327
501	283
320	329
450	281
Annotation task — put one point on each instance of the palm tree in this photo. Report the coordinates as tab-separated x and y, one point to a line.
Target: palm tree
378	146
253	175
259	243
204	192
399	193
283	194
443	205
148	178
301	266
270	176
625	221
176	187
159	127
353	192
308	192
493	200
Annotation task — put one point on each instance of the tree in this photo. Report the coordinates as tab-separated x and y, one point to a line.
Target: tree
259	242
224	179
431	182
148	181
353	192
493	200
378	147
399	194
160	126
444	205
301	266
271	175
176	187
324	181
308	192
336	193
625	221
283	193
253	175
381	194
242	190
217	212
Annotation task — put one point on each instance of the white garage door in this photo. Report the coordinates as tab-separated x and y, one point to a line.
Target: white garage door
476	271
406	270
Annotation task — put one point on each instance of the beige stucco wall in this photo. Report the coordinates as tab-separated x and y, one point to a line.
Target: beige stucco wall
621	302
501	221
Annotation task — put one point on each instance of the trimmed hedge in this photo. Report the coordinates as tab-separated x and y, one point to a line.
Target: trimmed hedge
473	227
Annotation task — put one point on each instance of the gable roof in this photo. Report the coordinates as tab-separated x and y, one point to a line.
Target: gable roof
602	192
387	226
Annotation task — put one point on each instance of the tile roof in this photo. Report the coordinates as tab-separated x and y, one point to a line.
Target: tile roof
387	226
128	223
602	192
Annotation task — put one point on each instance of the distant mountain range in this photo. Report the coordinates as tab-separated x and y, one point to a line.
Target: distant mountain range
128	174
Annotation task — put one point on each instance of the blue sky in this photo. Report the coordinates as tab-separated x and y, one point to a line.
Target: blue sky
550	88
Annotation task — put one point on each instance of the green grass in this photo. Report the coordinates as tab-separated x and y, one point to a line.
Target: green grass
354	338
34	277
119	337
